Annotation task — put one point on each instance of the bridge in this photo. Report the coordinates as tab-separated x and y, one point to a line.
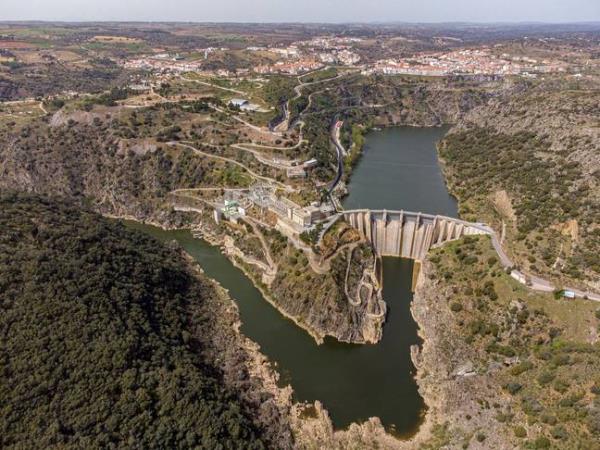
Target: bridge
409	234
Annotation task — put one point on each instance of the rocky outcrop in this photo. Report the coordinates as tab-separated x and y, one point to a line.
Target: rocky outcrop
318	301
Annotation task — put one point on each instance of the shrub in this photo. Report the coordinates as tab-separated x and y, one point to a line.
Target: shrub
456	307
501	349
559	432
531	406
554	332
520	368
522	316
513	388
561	386
561	359
549	419
541	442
520	432
471	260
545	378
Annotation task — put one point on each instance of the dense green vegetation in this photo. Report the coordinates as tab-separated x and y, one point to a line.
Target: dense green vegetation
544	189
102	339
80	160
109	98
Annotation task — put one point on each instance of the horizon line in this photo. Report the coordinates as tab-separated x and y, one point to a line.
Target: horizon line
271	22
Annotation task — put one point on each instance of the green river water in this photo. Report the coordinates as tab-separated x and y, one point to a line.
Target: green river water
398	170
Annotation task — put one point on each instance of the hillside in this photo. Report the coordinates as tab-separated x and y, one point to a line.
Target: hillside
531	163
502	366
111	340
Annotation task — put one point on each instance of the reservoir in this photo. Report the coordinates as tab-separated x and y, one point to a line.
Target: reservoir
399	169
354	382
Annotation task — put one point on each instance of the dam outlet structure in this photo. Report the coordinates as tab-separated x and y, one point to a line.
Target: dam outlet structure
408	234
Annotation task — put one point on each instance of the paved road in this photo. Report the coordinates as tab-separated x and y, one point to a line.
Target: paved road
334	136
534	282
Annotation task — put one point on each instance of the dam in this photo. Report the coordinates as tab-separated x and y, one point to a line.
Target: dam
407	234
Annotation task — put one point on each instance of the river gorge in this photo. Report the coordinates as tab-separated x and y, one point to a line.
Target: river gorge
398	170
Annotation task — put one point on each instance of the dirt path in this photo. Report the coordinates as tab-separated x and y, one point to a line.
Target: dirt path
216	86
232	161
246	123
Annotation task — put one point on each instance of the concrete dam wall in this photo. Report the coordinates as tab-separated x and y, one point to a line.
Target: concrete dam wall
408	234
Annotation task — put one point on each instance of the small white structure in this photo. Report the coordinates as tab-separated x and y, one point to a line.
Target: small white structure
310	163
243	104
518	276
239	102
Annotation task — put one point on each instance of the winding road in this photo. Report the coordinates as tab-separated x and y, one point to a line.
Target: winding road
232	161
285	123
533	282
340	150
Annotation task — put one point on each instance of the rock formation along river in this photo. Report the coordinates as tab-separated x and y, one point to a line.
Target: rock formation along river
399	170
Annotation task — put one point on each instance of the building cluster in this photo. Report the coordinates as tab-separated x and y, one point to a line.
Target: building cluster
230	210
207	51
341	57
329	42
463	62
286	52
291	217
332	50
290	214
310	55
305	56
163	63
293	67
293	63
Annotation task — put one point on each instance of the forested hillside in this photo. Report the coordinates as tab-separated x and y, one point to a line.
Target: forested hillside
108	341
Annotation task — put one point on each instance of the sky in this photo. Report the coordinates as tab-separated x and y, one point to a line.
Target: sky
303	10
